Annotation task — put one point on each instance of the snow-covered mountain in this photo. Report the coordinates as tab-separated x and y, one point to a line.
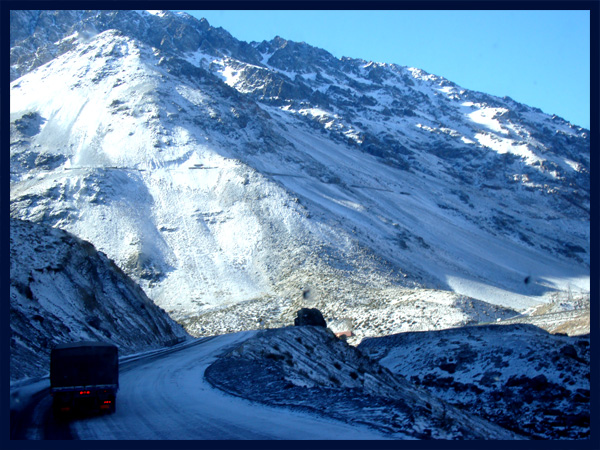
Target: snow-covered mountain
238	181
63	290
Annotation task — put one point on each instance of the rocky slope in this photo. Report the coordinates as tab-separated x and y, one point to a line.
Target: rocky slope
512	381
229	178
63	290
308	368
517	376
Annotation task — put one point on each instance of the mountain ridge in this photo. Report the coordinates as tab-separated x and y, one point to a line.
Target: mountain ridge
225	173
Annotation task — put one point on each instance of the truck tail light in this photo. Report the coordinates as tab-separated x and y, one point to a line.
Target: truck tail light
84	392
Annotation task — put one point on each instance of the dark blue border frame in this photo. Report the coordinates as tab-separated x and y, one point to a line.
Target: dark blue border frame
591	5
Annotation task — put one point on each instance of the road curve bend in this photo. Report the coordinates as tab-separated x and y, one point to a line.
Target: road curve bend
167	398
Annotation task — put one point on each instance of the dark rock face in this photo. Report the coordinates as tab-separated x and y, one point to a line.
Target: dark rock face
63	290
310	316
39	36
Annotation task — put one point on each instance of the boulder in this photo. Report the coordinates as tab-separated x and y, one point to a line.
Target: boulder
309	316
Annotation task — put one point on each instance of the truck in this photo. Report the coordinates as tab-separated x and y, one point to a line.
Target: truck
84	377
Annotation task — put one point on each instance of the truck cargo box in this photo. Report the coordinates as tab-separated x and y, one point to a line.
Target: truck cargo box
84	375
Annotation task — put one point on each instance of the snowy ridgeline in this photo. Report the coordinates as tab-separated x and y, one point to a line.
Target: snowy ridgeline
488	382
63	290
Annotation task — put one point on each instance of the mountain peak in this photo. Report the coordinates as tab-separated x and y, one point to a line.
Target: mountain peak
279	42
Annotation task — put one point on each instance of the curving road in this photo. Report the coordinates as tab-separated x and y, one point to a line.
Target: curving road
165	397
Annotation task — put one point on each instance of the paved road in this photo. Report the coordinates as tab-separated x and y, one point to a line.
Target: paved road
165	397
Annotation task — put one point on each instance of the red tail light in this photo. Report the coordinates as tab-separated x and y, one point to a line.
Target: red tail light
84	392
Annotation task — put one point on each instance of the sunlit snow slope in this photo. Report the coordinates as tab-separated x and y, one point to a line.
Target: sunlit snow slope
216	172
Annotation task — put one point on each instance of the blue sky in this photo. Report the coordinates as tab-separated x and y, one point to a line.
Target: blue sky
540	58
